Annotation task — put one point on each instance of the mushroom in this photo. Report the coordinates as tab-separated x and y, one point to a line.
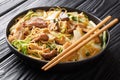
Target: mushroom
50	55
43	37
64	17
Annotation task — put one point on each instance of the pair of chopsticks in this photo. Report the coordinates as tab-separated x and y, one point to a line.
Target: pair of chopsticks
81	42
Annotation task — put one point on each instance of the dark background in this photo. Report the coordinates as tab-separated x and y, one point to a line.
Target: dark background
108	68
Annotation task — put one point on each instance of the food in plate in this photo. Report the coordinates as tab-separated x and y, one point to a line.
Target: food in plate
42	34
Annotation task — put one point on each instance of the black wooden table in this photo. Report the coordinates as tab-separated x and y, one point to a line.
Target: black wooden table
12	68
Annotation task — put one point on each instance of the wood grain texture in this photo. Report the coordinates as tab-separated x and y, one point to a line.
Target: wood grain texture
7	5
12	68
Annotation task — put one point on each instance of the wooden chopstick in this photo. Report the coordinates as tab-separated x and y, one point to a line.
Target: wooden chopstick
51	64
80	40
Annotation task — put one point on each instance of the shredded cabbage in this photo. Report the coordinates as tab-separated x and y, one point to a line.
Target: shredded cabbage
21	45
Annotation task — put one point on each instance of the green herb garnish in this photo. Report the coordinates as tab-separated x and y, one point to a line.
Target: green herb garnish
60	50
87	54
51	46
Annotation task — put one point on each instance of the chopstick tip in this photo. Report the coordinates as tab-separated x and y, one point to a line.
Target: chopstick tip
116	19
110	16
42	68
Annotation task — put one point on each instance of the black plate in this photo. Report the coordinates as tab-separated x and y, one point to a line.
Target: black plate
66	66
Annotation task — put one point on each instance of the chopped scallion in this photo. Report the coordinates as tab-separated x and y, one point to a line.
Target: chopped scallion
87	54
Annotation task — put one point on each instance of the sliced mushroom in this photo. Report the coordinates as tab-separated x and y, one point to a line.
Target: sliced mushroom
64	17
50	55
43	37
70	28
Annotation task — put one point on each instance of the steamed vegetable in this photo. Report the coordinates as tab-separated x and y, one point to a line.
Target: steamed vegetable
28	15
104	39
21	45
